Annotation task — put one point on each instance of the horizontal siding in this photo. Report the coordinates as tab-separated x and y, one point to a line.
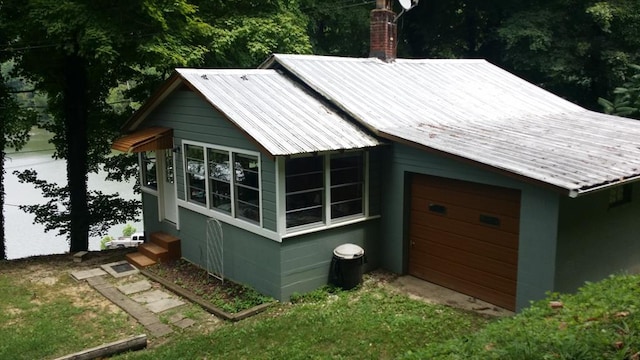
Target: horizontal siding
193	119
306	259
248	258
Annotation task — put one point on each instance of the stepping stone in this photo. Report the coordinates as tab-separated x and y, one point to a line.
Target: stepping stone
163	305
184	323
85	274
151	296
136	287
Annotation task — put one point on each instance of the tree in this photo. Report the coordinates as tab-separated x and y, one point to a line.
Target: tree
76	51
626	100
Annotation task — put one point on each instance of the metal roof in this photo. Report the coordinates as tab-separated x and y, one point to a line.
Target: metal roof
276	112
475	110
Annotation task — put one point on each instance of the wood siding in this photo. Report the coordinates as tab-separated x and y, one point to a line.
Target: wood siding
452	246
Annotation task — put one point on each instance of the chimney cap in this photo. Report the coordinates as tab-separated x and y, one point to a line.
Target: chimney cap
383	4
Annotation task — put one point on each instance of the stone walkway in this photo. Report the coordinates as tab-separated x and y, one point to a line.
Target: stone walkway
137	297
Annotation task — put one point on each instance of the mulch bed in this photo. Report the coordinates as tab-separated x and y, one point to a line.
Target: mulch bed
226	296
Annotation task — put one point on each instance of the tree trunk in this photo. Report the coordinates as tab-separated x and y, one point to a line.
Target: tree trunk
3	144
75	129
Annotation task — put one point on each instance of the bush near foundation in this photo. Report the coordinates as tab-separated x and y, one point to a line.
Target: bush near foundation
600	321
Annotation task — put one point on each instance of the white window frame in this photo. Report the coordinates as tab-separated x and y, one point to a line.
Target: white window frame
327	222
208	209
142	169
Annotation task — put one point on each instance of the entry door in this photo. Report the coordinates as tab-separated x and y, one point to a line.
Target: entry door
464	236
168	192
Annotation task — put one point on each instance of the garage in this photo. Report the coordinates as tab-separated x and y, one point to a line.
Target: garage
464	236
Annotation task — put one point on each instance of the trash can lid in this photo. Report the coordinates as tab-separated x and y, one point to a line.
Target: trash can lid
348	251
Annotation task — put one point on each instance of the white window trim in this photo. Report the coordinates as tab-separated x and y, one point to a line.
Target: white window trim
141	169
327	222
206	209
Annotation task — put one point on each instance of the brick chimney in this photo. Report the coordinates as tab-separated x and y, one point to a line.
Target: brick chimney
383	32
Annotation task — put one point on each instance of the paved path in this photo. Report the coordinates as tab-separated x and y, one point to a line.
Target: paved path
138	298
147	318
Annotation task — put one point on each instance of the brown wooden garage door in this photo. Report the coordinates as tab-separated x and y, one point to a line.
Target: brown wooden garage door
464	236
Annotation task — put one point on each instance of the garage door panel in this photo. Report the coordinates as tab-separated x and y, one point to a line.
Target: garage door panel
422	235
471	275
492	296
464	236
445	184
471	261
484	233
474	201
422	207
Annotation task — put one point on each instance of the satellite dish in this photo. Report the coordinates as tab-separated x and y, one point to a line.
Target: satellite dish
406	4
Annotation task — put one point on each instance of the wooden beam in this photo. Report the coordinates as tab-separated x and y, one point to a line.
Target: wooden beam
138	342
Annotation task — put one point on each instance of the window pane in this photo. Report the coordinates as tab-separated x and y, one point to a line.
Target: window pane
168	163
247	187
149	177
219	180
347	185
195	174
304	190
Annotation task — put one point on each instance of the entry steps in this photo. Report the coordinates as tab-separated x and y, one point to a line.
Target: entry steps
161	247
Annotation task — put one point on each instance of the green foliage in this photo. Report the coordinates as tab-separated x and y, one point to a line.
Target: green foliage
104	241
599	322
128	230
627	97
106	210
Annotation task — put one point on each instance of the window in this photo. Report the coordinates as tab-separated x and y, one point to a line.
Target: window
232	190
195	174
304	186
247	187
620	195
149	176
320	189
347	185
219	181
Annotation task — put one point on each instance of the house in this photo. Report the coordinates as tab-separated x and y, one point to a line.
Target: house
453	171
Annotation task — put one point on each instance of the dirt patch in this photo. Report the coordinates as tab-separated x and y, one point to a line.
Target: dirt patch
226	295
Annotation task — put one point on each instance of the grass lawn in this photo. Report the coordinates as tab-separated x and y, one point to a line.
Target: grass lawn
44	313
370	323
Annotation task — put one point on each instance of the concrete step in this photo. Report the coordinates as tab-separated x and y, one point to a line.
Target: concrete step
154	252
169	242
139	260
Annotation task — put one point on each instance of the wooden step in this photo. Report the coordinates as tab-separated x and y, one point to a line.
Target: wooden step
154	252
139	260
169	242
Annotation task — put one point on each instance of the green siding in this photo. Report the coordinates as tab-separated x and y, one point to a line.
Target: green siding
193	119
306	259
538	216
248	258
595	240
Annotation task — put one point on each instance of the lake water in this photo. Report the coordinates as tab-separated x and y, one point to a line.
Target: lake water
22	237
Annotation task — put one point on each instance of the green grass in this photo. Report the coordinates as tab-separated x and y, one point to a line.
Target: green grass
601	321
371	323
38	322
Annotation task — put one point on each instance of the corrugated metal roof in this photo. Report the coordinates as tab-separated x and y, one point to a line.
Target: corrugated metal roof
276	112
475	110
